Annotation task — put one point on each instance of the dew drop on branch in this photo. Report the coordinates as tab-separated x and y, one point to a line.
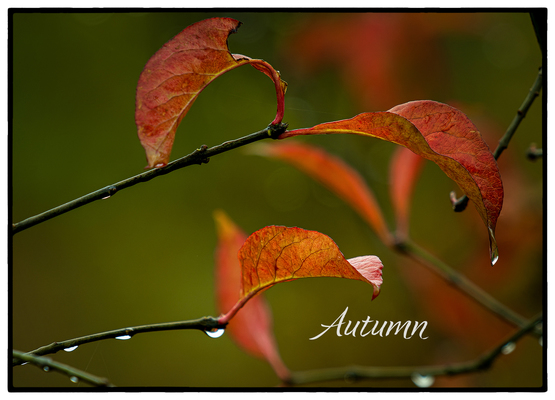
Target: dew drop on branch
74	379
215	333
69	349
123	337
508	348
540	341
46	368
423	381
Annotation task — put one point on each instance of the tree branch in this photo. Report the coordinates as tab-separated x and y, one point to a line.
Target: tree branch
461	203
360	372
203	324
199	156
415	252
46	364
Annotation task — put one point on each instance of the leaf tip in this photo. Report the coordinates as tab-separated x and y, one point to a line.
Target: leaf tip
493	250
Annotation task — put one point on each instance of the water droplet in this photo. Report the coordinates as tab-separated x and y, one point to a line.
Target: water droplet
423	381
74	379
25	363
123	337
69	349
46	368
107	197
540	341
493	247
508	348
215	333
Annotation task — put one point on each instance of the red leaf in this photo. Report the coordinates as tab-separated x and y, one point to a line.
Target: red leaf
277	254
439	133
251	329
335	174
404	171
176	74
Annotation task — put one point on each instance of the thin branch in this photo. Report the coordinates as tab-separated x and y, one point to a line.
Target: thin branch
462	283
461	203
199	156
360	372
203	324
46	364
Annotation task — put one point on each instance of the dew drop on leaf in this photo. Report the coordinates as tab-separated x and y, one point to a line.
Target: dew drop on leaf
215	333
74	379
69	349
423	381
508	348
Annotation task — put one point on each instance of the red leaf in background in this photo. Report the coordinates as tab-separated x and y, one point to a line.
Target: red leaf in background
383	58
277	254
333	173
405	168
251	329
176	74
439	133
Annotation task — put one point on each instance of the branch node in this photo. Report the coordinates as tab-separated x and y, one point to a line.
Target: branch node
198	154
533	153
275	130
458	204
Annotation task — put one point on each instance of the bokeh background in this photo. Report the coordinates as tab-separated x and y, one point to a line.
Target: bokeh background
146	255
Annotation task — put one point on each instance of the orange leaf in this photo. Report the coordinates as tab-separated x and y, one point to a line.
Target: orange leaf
277	254
439	133
251	329
405	168
335	174
176	74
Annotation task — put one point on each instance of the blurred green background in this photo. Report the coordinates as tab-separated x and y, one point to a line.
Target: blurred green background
146	254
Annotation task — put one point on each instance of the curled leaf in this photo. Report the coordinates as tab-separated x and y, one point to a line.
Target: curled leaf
277	254
176	74
441	134
251	329
333	173
405	168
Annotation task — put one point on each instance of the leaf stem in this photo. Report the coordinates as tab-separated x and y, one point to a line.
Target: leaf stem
203	324
362	372
423	257
199	156
461	203
47	364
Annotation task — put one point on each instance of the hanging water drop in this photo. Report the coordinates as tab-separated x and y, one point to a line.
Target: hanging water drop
215	333
111	190
46	368
74	379
508	348
423	381
540	341
69	349
123	337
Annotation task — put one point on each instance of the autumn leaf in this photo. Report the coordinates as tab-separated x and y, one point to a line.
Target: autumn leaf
441	134
277	254
405	168
175	75
333	173
251	329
